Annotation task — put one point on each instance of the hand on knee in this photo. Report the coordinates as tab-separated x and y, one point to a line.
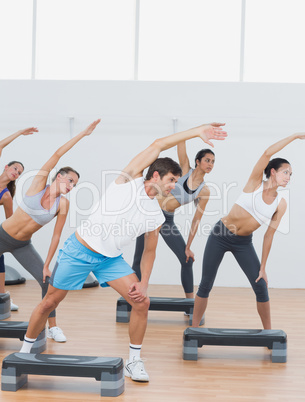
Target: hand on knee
142	307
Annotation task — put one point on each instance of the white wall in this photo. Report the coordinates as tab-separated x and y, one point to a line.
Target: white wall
133	115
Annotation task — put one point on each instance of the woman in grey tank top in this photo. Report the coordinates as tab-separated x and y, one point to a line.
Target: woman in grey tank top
7	191
190	187
39	206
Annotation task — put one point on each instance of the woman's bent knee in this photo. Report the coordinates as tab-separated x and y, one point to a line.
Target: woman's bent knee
261	291
204	290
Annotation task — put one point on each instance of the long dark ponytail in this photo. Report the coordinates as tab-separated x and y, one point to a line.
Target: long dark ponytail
201	154
12	185
275	164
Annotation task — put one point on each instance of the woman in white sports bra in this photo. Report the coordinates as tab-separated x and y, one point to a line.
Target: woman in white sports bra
39	206
258	203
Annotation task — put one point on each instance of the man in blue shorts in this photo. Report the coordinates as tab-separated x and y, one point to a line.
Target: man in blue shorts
127	209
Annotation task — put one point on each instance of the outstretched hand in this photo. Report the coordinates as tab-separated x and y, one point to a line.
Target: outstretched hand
212	131
91	127
301	136
217	124
28	131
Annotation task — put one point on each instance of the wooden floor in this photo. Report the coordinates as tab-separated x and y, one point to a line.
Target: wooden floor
221	373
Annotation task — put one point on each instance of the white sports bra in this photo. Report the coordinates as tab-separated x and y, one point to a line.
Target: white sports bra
256	206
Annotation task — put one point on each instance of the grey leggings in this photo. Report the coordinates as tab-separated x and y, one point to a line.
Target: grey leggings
219	242
27	256
176	243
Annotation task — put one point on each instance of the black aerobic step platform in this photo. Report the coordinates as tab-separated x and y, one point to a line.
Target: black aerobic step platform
274	339
17	329
108	370
123	308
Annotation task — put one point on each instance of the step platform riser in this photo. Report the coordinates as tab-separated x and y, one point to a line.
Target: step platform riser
109	371
194	338
123	308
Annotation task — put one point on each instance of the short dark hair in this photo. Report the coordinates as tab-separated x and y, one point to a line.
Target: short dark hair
275	163
164	166
202	153
65	170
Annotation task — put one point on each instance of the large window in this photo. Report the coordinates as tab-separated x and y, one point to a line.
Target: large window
274	41
16	39
92	39
190	40
164	40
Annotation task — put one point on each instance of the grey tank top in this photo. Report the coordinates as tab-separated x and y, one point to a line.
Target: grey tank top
181	191
31	204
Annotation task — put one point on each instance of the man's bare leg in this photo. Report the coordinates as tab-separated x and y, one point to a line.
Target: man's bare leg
134	367
139	312
40	315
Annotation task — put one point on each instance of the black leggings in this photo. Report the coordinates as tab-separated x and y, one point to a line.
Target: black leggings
2	266
176	243
220	241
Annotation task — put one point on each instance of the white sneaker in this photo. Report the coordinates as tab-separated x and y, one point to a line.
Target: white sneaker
135	370
14	307
56	334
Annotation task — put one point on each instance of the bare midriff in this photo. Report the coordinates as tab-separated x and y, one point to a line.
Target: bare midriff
20	225
240	222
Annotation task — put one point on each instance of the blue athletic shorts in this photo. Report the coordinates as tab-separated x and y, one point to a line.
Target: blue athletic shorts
75	262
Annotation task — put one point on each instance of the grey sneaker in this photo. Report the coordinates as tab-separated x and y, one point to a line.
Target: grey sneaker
135	370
